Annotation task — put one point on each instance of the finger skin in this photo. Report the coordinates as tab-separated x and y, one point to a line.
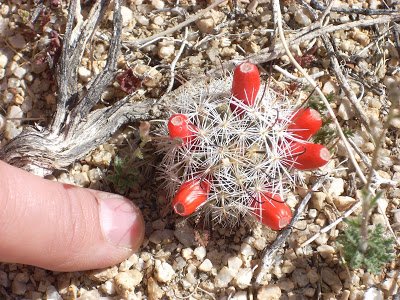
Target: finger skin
57	226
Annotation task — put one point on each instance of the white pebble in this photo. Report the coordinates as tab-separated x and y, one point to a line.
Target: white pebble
158	20
108	287
81	179
157	4
19	72
336	187
143	20
164	271
15	112
243	277
206	265
127	15
234	264
84	74
166	51
223	278
127	281
2	125
52	294
17	41
373	294
2	73
3	61
13	83
200	253
247	250
187	253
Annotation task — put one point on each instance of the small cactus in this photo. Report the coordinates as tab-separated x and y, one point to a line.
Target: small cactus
244	143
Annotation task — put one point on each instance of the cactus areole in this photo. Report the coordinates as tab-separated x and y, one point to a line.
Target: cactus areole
239	155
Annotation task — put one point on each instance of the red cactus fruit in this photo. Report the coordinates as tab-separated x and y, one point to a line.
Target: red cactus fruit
245	84
180	127
309	156
305	123
190	196
275	213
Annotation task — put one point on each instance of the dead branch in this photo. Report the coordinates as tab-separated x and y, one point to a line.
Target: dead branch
76	129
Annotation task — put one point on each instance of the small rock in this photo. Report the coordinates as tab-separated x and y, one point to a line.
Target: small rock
286	284
160	236
17	41
343	202
164	271
313	276
51	293
200	253
158	20
185	234
2	122
223	278
326	251
81	179
336	187
4	279
234	264
187	253
206	265
84	74
19	283
166	51
310	292
301	18
270	292
143	20
108	287
154	290
373	294
127	281
378	219
299	276
318	200
260	243
11	130
208	22
19	72
247	250
158	4
3	61
330	87
332	279
13	83
240	295
127	15
103	275
243	277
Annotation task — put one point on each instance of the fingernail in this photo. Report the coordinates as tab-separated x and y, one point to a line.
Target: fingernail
121	221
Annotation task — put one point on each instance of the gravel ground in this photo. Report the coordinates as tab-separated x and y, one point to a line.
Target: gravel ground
179	258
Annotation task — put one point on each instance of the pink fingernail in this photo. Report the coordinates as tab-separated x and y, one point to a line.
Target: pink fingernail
121	221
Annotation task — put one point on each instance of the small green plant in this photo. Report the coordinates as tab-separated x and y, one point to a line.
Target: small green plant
379	248
363	247
124	176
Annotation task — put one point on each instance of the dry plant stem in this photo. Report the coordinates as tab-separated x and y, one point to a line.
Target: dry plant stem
295	78
173	63
360	11
194	18
278	16
76	129
333	224
268	256
344	84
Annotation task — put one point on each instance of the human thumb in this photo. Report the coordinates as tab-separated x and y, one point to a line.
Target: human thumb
61	227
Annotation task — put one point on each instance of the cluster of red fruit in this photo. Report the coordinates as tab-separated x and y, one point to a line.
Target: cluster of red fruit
268	208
